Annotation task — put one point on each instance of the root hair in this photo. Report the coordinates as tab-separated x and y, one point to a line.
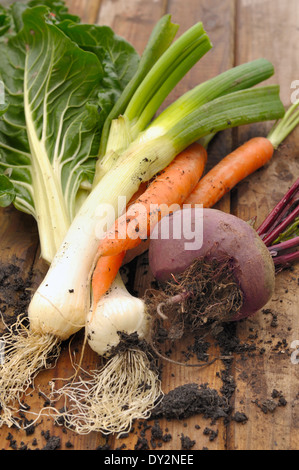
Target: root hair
125	389
25	353
206	294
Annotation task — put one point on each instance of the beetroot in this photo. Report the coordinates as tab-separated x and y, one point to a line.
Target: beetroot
225	237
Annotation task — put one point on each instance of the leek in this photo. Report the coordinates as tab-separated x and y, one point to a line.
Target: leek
112	397
169	69
238	78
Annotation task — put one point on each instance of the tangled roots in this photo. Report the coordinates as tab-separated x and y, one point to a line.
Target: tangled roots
24	354
125	389
205	294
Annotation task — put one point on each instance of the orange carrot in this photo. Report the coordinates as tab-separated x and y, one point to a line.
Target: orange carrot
138	193
170	187
236	166
104	274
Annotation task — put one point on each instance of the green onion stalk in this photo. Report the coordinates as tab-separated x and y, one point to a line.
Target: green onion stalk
138	104
235	79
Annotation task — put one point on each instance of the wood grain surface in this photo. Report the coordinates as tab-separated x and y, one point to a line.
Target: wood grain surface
259	370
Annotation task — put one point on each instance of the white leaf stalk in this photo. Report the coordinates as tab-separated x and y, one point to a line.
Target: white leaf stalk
108	400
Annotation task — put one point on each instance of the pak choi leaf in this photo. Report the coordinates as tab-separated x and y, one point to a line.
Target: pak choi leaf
49	135
7	191
55	72
118	58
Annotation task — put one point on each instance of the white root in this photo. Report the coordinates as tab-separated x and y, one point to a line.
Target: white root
25	353
109	401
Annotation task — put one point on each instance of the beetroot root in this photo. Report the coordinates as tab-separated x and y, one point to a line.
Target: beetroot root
224	236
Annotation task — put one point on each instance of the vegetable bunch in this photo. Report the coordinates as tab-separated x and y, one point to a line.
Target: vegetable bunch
77	133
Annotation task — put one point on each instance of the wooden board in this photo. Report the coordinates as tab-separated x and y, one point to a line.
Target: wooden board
240	30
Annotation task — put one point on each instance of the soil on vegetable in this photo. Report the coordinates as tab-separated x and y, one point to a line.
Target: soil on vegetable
203	296
131	341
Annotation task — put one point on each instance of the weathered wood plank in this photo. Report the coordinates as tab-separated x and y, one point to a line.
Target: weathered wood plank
87	10
269	29
132	20
18	246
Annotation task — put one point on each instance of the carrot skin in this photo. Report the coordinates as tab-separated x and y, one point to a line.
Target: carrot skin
104	274
233	168
170	187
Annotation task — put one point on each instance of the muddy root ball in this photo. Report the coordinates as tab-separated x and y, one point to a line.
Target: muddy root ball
176	245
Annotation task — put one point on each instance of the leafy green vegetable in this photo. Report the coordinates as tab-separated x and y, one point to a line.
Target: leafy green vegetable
50	133
11	21
58	10
5	21
118	58
7	191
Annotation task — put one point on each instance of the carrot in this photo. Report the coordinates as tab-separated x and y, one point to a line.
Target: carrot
243	161
170	187
104	274
230	171
138	193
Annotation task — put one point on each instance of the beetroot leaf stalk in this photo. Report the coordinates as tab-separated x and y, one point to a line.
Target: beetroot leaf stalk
278	210
279	231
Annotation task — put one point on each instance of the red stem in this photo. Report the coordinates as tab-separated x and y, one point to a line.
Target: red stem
281	227
289	207
286	259
277	211
284	246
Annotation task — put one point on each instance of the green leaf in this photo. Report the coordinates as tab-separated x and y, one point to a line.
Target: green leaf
3	108
5	21
49	135
118	58
12	16
58	10
11	21
161	37
7	191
